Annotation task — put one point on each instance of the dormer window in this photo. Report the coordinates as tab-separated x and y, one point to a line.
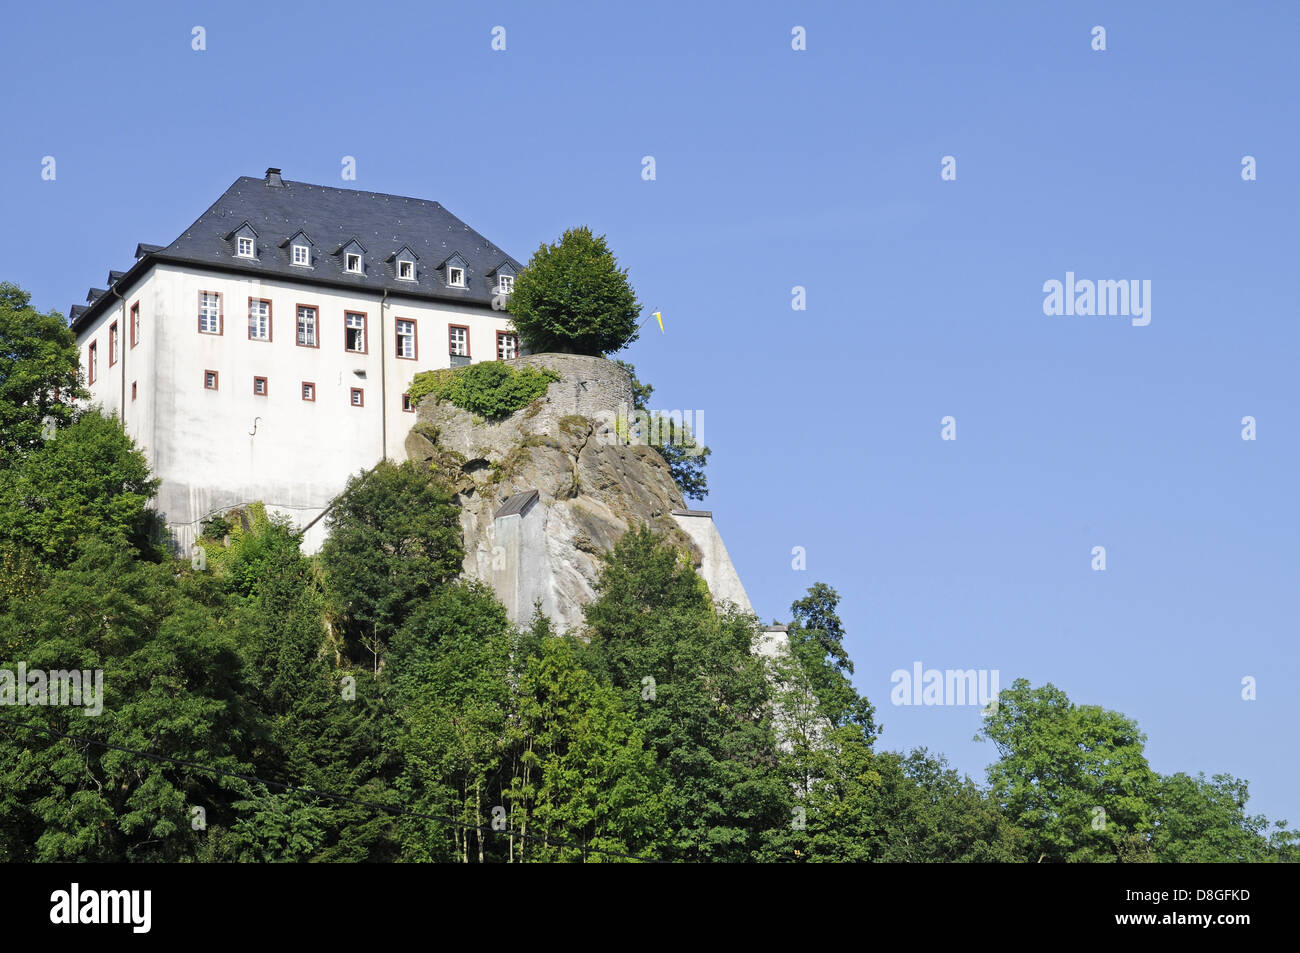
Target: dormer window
404	261
455	276
301	255
353	263
505	284
244	241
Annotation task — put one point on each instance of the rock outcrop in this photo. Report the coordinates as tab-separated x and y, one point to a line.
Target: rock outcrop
589	489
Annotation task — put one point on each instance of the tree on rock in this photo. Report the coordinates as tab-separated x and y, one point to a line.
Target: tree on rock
574	298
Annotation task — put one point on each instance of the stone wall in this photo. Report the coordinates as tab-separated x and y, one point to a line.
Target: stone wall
591	387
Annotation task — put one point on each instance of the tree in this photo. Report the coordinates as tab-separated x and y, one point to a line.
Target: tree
700	695
583	776
816	637
685	457
320	727
1075	777
89	481
394	537
38	373
171	684
450	679
573	297
1205	821
889	808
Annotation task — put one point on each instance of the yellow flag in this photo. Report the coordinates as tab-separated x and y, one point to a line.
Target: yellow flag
660	317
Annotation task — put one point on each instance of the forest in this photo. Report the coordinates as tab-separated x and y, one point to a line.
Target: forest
368	704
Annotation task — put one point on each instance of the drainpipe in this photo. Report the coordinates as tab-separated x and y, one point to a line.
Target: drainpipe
383	381
122	332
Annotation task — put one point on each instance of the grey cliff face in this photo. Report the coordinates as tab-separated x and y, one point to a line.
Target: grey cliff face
590	490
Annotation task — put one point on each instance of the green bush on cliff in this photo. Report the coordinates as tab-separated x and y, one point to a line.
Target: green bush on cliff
490	389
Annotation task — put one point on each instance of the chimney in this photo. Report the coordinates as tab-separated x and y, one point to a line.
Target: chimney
273	178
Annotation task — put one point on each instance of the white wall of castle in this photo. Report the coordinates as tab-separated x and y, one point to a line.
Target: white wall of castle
216	449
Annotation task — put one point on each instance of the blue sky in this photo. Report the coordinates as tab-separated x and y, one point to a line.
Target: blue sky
821	168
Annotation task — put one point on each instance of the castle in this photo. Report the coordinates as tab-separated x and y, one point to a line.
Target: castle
288	318
265	355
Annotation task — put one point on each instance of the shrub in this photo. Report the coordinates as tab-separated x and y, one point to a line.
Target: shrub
490	389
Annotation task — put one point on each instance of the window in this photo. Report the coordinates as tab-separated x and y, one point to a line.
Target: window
112	344
210	380
458	339
406	270
259	386
133	390
259	319
301	255
406	339
354	263
308	390
505	284
358	397
135	324
245	247
92	361
210	317
507	346
407	405
354	332
307	326
456	277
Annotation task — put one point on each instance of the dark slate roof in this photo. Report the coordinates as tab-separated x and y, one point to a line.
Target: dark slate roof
518	504
332	217
115	276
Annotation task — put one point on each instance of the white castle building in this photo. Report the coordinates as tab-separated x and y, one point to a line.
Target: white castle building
265	356
266	353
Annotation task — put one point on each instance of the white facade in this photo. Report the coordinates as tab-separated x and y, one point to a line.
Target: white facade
216	447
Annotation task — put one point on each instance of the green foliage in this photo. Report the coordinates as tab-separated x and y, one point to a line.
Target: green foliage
88	482
259	545
171	683
816	638
38	373
451	699
709	722
585	776
278	828
685	456
1205	821
394	537
1074	776
491	389
861	807
573	297
664	736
